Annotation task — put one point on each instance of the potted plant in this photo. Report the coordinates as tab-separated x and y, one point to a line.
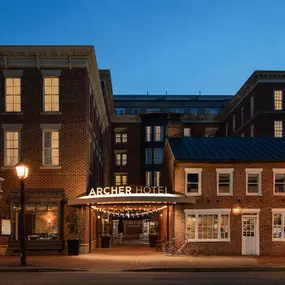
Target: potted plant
73	224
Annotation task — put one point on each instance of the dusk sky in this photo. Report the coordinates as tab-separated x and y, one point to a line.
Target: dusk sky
181	46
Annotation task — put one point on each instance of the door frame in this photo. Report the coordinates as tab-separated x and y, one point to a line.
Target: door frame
251	213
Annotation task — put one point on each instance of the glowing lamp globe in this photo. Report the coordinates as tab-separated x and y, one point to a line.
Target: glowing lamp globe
22	170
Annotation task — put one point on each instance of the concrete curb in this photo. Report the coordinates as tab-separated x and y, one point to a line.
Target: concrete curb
205	269
37	269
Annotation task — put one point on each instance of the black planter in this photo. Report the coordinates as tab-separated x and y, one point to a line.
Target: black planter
105	241
73	246
153	240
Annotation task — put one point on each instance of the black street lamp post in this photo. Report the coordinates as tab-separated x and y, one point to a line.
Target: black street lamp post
22	173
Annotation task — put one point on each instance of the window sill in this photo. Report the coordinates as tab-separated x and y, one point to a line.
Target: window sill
192	194
7	167
12	113
50	113
253	194
278	239
50	167
279	194
225	194
209	240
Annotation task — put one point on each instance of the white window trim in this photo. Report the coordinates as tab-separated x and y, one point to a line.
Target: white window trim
277	171
282	212
193	171
254	171
218	212
43	148
225	171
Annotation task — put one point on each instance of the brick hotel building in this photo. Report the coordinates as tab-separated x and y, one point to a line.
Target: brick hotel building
59	115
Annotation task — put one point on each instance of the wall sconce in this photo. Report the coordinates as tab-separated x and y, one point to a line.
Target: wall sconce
236	210
98	217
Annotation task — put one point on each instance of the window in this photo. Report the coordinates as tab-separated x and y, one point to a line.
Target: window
252	131
194	111
278	100
253	181
44	220
251	106
121	159
224	181
11	148
213	111
234	123
156	178
187	132
51	94
13	94
193	181
148	134
121	179
152	178
121	138
159	134
148	178
279	181
119	111
148	156
50	148
158	155
278	129
241	116
278	224
153	110
210	132
208	225
180	111
227	130
136	111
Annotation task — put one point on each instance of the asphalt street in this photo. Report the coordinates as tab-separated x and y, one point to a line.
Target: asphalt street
137	278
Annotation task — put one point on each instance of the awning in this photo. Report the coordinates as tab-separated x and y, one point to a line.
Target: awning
132	198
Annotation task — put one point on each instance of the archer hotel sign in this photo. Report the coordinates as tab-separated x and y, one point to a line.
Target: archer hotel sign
125	190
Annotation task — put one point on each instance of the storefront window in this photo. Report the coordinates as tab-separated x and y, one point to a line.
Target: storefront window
41	221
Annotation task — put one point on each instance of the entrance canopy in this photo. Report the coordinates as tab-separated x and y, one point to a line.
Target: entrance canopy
132	198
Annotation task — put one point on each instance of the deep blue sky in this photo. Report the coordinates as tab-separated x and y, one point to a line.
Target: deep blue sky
182	46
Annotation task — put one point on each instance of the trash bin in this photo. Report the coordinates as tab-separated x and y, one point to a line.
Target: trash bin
105	241
153	238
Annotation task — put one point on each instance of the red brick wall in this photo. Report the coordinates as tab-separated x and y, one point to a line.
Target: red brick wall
210	200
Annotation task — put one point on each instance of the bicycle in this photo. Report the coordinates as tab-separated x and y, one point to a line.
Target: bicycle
174	248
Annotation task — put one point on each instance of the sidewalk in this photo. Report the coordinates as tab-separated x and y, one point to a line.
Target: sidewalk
142	258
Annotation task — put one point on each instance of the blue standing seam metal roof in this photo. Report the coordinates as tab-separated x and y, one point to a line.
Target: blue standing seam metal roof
228	149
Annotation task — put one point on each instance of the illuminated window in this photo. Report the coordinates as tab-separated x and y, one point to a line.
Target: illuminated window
193	178
121	179
148	156
224	181
153	110
159	134
211	111
51	94
187	132
234	123
121	138
11	149
278	129
13	94
148	178
253	184
241	115
208	225
148	134
156	178
279	181
121	159
252	131
158	155
251	106
278	100
50	148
